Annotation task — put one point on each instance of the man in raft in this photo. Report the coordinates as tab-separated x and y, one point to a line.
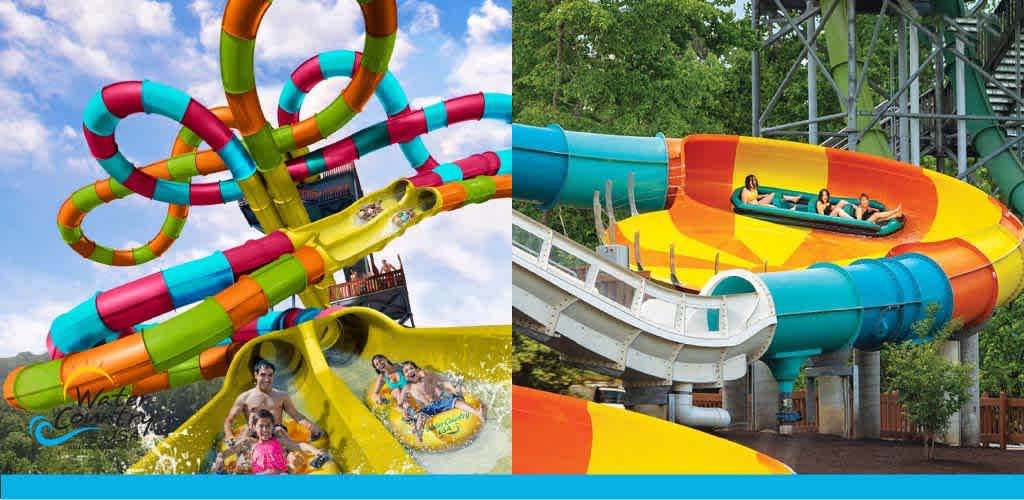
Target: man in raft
433	394
265	397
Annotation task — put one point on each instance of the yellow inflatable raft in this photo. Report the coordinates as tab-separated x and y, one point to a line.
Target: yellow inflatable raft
445	431
298	461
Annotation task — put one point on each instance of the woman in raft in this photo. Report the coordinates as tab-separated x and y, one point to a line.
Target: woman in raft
864	211
752	197
388	374
267	453
825	206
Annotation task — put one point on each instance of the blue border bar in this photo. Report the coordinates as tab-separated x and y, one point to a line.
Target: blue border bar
521	487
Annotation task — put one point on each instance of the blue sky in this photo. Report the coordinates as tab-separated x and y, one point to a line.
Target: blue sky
54	54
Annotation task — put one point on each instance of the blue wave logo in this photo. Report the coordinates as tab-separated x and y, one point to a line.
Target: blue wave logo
38	424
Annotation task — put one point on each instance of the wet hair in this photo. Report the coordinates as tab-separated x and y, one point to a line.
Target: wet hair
749	181
824	191
411	363
373	362
261	364
266	414
865	195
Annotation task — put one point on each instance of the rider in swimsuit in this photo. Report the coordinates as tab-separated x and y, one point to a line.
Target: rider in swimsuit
751	195
825	206
268	449
865	211
388	374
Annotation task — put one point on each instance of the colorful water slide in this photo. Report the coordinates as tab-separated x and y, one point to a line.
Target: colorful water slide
555	434
235	287
960	249
358	440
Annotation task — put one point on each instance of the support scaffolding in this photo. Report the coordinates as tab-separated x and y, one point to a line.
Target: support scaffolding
924	108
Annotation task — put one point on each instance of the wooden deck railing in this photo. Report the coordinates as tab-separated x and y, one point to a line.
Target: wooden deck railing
370	284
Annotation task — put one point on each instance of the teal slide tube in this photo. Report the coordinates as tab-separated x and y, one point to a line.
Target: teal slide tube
565	168
826	307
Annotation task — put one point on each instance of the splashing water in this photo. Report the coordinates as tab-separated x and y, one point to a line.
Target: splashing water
489	452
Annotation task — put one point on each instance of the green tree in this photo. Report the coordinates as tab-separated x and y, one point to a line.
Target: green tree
930	388
1001	349
537	366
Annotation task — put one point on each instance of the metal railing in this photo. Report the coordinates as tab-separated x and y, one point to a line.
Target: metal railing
1005	23
625	291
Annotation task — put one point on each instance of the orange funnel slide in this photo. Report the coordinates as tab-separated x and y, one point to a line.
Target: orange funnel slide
554	434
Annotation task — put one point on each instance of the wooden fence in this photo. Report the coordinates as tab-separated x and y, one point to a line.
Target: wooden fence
1002	418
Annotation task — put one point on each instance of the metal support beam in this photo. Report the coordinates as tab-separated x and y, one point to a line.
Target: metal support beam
961	109
938	138
808	15
901	80
812	85
915	95
755	77
810	46
851	75
819	119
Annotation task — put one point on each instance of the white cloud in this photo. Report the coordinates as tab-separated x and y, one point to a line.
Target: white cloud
98	39
28	139
291	32
69	132
21	25
485	64
427	17
107	21
209	23
13	62
486	20
422	102
25	316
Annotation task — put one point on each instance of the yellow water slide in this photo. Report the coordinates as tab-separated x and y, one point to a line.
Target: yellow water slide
359	442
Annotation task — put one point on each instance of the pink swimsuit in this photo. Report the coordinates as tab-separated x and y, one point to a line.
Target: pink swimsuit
268	456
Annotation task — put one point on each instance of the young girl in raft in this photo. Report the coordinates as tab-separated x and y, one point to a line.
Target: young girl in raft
388	374
267	453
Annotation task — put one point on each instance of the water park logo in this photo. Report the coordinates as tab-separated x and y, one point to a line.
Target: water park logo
116	408
450	425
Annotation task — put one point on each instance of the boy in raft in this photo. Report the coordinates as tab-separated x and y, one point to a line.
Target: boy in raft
265	397
267	449
433	394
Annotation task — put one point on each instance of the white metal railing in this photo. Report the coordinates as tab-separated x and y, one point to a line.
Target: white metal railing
689	315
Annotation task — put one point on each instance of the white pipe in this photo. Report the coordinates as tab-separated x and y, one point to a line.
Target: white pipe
681	401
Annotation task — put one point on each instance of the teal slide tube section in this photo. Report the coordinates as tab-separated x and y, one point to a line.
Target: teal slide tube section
544	159
566	168
826	307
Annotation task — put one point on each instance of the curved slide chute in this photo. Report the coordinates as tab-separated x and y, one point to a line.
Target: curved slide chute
358	440
828	290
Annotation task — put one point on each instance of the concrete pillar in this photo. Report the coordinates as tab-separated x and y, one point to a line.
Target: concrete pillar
765	397
970	419
951	352
649	400
869	415
834	413
656	411
734	400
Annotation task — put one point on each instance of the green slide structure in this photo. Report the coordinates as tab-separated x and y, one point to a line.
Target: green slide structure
987	136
